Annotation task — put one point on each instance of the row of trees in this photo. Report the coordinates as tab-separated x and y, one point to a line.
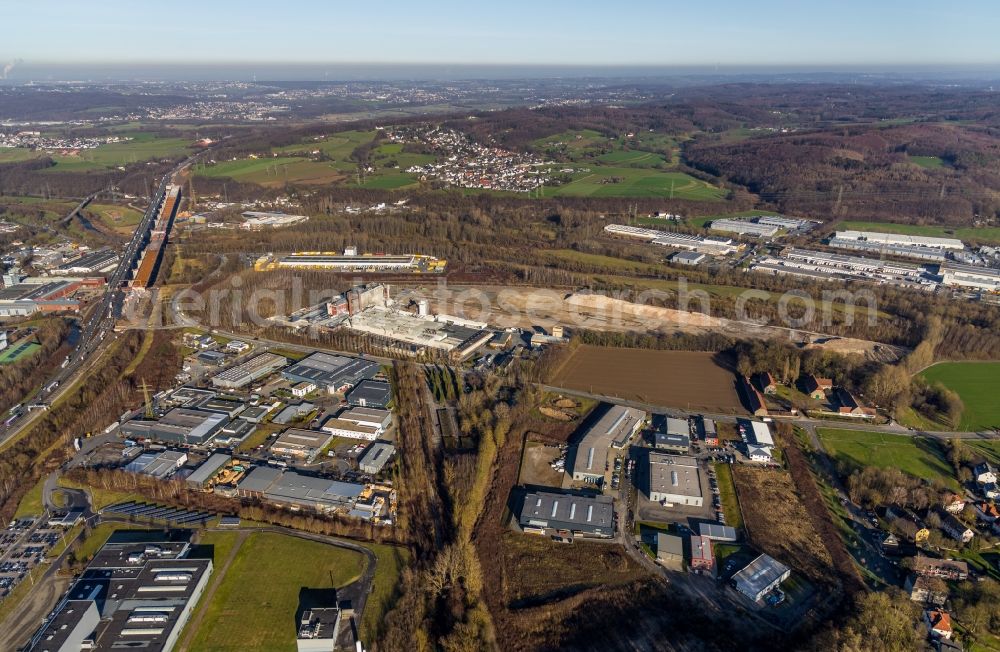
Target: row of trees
25	375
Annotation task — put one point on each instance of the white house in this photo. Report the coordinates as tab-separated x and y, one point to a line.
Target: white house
303	388
984	473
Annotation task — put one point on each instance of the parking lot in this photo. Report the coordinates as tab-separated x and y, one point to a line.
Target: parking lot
22	547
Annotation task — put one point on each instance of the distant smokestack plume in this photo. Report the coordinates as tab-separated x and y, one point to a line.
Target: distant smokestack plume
10	66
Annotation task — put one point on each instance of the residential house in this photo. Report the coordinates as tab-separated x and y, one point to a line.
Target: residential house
928	590
946	569
765	382
984	473
938	623
849	405
987	512
752	399
953	503
816	388
991	491
956	529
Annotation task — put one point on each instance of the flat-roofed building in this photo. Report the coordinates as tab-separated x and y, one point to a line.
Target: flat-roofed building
674	480
301	444
587	515
298	491
370	393
760	576
242	375
590	455
160	465
901	239
744	227
318	630
350	429
376	457
670	551
330	371
102	260
970	276
365	416
178	426
717	532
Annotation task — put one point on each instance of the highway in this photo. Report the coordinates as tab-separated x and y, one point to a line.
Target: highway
100	317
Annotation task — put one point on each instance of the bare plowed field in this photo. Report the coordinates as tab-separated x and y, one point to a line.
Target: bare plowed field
682	379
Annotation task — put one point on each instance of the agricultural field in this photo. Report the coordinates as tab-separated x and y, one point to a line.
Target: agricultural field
608	181
143	147
682	379
274	171
121	219
238	618
978	385
982	234
916	456
338	146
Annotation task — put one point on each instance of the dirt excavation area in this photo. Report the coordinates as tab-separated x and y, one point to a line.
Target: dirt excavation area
543	308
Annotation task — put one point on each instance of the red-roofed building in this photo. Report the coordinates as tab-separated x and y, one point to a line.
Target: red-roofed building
702	557
938	623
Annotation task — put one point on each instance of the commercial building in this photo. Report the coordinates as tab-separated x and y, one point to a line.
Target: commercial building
744	227
25	299
137	593
673	435
376	457
590	455
298	491
330	371
350	429
689	258
702	556
178	426
931	254
225	406
900	239
318	630
969	276
670	551
160	465
242	375
707	431
301	444
102	260
674	480
350	261
760	577
585	515
370	394
365	416
208	470
303	388
293	412
760	434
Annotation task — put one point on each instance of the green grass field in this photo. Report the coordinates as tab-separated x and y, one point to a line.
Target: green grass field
31	504
930	162
635	182
727	496
984	234
274	171
978	384
917	456
256	603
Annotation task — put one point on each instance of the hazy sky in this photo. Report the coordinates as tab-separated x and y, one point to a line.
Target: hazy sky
656	32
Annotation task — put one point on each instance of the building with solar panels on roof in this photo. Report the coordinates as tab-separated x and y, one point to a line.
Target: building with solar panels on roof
588	515
760	577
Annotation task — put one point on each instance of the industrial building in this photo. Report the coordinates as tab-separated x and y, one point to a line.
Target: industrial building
590	455
178	426
102	260
705	245
674	480
350	429
744	227
932	254
301	444
760	577
298	491
352	262
717	532
138	592
318	630
900	239
969	276
670	551
293	413
370	394
376	457
242	375
826	266
160	465
443	333
330	371
208	470
672	434
585	515
689	258
259	220
366	416
27	298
